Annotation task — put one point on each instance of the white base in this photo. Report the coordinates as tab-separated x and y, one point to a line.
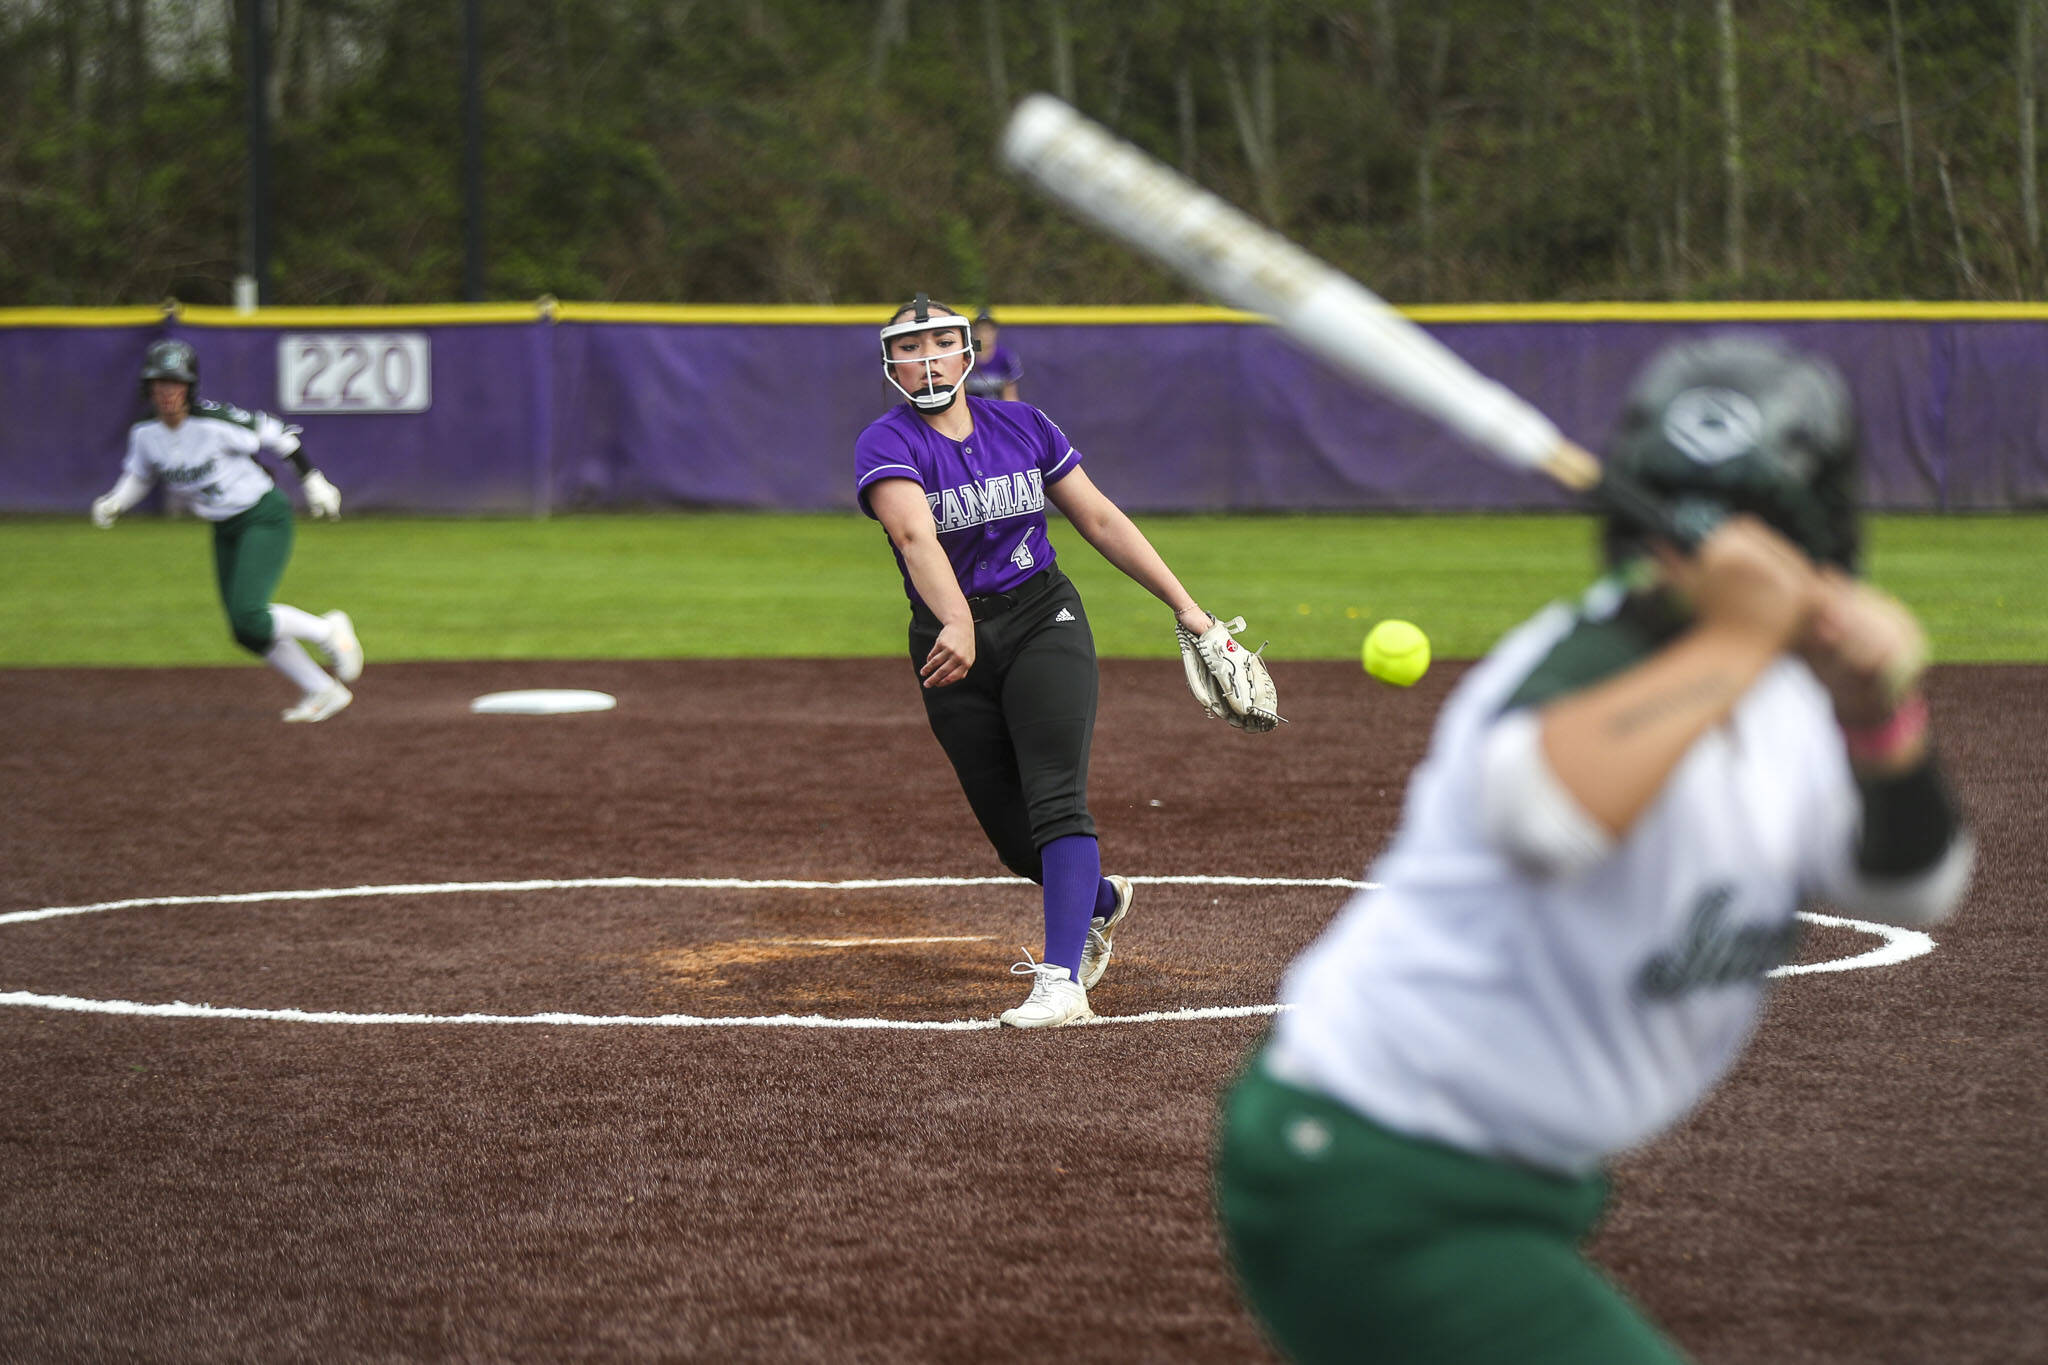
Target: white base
545	701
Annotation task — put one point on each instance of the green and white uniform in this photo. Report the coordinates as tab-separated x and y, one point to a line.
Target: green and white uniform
209	459
1520	998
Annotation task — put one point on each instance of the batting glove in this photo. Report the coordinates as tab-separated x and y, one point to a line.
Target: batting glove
323	499
104	511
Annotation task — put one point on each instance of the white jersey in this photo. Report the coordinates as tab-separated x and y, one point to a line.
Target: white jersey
209	458
1554	1021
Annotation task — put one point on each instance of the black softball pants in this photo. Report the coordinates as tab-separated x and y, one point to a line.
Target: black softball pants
1017	728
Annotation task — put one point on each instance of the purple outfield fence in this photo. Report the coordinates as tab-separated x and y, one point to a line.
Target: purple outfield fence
529	410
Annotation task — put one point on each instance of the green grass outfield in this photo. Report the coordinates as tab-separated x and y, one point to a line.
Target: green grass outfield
728	585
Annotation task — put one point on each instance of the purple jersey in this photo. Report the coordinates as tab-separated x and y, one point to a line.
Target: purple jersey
987	493
993	371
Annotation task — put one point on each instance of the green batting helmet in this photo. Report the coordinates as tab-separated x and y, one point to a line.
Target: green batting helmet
1743	424
170	359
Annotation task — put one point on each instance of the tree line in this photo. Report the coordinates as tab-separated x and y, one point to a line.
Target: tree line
831	151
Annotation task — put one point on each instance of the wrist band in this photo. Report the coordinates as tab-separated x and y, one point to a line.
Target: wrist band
1877	743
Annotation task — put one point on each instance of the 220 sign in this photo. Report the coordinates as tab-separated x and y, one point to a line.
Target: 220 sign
354	372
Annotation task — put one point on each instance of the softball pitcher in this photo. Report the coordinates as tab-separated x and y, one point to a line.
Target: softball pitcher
206	451
1000	639
1599	859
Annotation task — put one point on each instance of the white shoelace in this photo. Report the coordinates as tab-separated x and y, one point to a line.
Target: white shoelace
1045	972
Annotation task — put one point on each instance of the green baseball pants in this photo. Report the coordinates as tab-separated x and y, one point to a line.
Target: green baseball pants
250	550
1353	1243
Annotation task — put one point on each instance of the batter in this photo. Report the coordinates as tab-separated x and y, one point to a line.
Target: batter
1600	858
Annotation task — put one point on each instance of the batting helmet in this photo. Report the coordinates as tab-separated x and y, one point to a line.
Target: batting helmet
170	359
1743	424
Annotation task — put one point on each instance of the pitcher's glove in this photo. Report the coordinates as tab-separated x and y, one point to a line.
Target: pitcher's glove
1229	680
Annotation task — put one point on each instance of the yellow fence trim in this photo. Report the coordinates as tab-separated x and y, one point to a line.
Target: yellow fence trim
715	314
1127	314
396	315
79	317
1901	310
873	314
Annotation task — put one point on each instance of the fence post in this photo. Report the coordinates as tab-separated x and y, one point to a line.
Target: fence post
541	408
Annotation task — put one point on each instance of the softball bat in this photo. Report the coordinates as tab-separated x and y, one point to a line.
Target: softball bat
1221	249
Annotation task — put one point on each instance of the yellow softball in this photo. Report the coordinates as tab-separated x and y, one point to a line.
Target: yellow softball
1396	652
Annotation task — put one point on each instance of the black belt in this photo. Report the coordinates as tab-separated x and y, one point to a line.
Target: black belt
996	603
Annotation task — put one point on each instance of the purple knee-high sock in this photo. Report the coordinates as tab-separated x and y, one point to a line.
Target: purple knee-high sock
1105	898
1072	869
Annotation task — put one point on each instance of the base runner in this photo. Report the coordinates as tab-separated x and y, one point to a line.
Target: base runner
1600	858
205	452
1000	639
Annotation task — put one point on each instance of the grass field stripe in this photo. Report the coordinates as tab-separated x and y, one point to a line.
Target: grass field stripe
628	883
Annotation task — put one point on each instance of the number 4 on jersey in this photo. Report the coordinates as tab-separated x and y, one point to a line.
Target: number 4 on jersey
1021	556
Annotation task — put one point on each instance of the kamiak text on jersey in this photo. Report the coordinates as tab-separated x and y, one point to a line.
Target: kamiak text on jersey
971	504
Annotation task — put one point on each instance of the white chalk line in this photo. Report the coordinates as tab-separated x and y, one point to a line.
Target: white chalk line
181	1010
1899	945
579	883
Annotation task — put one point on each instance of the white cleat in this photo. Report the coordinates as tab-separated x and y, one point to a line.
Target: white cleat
343	649
1056	999
321	704
1095	952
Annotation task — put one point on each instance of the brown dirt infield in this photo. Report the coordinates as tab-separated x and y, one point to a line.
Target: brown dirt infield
1870	1185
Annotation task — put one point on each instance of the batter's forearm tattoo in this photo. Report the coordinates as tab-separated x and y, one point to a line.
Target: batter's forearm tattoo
1712	690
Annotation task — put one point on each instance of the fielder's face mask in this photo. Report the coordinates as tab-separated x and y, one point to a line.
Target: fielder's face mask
925	316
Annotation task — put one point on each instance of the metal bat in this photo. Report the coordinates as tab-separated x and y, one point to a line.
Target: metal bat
1164	215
